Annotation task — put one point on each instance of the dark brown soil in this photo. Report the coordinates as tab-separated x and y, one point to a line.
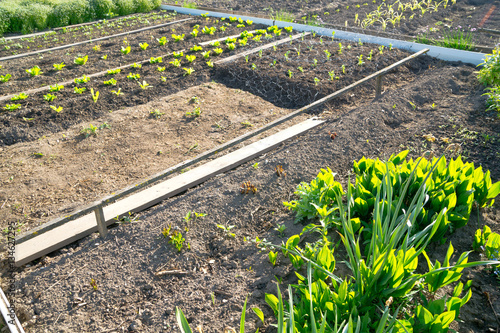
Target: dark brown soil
466	13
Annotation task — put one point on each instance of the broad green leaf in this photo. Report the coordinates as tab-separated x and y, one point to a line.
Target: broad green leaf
493	191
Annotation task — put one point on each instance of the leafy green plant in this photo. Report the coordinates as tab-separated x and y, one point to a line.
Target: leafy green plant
5	78
12	107
231	46
88	131
117	92
218	51
156	113
110	82
21	96
177	54
156	60
188	71
104	57
176	63
227	230
145	85
194	33
162	41
144	46
190	58
196	48
360	60
81	60
77	90
493	101
56	108
49	97
210	64
95	95
136	65
125	50
113	71
82	80
273	256
135	76
59	67
178	38
34	71
195	113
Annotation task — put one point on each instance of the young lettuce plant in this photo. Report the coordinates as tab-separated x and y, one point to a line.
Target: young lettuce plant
21	96
57	109
144	46
125	50
49	97
59	67
34	71
5	78
176	63
81	60
162	41
188	71
145	85
178	38
12	107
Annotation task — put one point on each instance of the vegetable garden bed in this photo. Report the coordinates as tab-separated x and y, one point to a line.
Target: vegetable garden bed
428	18
134	279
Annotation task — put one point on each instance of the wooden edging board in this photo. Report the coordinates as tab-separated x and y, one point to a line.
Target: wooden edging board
62	47
47	87
76	229
33	233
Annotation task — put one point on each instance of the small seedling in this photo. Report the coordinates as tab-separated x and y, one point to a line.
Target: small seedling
190	58
188	71
178	38
281	229
113	71
56	109
136	65
210	64
177	54
227	230
59	67
93	283
95	95
12	107
255	165
104	57
144	46
82	80
34	71
88	131
131	76
195	113
117	92
49	97
125	50
196	48
81	60
273	256
145	85
110	82
21	96
156	60
5	78
162	41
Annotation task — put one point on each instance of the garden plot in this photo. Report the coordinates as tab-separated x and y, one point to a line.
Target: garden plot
75	34
136	278
84	118
407	18
155	69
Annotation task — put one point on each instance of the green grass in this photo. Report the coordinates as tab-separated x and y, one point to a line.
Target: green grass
29	16
281	15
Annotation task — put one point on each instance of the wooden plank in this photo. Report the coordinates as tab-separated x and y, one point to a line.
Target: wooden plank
67	46
76	229
263	47
378	86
